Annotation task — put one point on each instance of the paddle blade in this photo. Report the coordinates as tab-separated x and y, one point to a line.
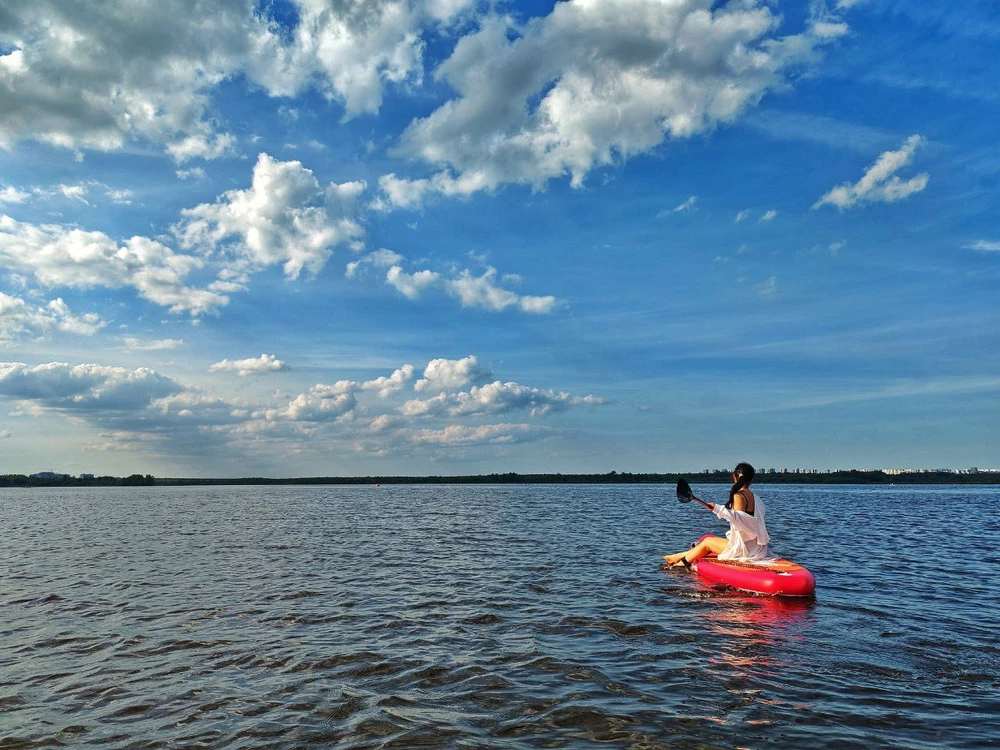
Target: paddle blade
684	493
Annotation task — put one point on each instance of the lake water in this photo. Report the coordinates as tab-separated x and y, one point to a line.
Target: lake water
491	617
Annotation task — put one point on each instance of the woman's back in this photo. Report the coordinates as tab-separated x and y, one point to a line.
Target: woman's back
745	500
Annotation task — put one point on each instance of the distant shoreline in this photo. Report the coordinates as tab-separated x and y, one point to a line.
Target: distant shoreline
614	477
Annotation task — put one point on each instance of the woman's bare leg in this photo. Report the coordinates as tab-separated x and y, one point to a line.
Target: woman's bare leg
708	545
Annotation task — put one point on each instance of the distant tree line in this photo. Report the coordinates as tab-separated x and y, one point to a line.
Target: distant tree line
22	480
613	477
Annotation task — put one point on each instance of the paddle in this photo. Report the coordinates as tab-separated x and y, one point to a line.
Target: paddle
685	495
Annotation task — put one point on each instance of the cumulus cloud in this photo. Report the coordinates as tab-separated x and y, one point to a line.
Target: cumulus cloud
190	411
59	256
356	49
496	398
411	285
19	320
387	386
483	292
452	374
142	410
320	403
93	77
265	363
285	217
880	184
592	83
88	387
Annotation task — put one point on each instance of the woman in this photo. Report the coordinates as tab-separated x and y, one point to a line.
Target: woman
747	537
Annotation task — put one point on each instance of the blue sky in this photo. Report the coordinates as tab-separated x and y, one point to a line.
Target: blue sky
309	237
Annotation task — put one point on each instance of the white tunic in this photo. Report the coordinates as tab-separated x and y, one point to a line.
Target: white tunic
747	534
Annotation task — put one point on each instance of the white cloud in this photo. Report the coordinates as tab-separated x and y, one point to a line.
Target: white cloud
88	387
452	374
190	412
593	83
482	291
411	285
123	197
134	344
145	411
265	363
71	257
458	435
472	291
495	398
74	192
880	184
10	194
195	173
321	403
285	217
94	77
400	192
387	386
767	216
79	192
381	258
742	215
202	146
985	246
684	207
829	30
20	320
355	49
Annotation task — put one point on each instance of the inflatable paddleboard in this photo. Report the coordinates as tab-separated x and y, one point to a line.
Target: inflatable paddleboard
775	578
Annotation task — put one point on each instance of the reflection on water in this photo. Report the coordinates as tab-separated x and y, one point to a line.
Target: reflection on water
756	632
485	617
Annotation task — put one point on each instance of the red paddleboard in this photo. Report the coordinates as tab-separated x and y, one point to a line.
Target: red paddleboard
776	578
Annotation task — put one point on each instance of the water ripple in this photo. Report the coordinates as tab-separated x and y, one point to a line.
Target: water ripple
485	617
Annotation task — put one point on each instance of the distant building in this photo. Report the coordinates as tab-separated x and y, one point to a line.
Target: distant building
86	476
49	475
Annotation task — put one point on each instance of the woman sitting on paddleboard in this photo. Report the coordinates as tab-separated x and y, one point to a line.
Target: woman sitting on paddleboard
747	536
